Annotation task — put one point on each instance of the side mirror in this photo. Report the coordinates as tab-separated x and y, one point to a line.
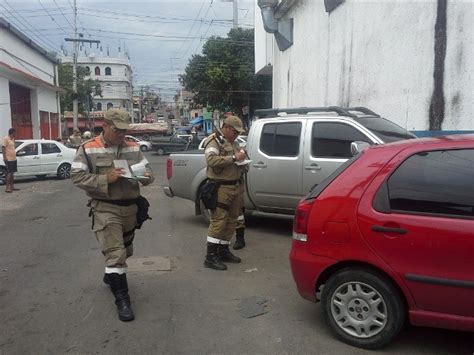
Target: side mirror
358	146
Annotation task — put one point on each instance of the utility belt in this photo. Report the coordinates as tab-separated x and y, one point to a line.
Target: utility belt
122	203
209	190
142	207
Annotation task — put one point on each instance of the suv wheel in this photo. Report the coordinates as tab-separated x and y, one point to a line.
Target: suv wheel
363	308
143	148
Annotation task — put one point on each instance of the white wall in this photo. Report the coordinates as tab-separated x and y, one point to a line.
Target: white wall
379	55
47	101
28	63
263	46
5	111
28	60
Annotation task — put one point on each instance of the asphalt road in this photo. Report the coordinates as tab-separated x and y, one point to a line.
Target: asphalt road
52	300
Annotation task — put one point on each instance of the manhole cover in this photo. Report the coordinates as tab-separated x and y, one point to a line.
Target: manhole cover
151	263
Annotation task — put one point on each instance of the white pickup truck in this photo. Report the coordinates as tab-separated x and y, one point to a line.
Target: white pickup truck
291	150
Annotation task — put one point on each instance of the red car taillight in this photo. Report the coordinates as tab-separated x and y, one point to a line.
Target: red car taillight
300	222
169	169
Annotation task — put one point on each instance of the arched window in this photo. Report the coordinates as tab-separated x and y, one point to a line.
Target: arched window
99	106
88	70
110	105
97	71
108	71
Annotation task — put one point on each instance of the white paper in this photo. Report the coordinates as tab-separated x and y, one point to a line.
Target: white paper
243	162
123	164
138	170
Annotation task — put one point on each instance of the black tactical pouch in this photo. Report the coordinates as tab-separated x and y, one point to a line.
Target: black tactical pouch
142	212
209	194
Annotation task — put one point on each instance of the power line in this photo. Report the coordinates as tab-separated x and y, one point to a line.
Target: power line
69	22
204	18
52	18
173	37
128	15
190	30
26	24
77	17
222	23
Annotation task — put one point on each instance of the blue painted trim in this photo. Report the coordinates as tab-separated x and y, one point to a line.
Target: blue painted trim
438	133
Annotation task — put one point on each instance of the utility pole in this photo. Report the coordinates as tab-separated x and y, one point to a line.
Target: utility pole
75	102
236	15
75	40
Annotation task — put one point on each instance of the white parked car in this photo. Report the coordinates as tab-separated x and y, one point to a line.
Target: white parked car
242	140
40	157
144	145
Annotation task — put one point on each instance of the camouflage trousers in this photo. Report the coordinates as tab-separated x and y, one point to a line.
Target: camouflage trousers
224	217
114	228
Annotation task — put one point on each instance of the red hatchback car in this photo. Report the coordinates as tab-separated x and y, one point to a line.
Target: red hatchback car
389	237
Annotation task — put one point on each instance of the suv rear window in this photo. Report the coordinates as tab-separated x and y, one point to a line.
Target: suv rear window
281	139
386	130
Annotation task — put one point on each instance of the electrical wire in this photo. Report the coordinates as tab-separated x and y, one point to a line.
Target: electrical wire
52	18
45	42
59	8
128	15
190	30
204	18
78	19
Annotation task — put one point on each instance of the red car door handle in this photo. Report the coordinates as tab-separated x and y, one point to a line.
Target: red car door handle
388	230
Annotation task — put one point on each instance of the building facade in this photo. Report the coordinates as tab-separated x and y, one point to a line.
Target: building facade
115	77
29	92
411	62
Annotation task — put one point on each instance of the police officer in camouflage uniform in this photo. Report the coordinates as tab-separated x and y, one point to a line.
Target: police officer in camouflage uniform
222	153
113	199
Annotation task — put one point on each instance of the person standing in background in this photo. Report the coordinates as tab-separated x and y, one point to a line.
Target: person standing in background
9	157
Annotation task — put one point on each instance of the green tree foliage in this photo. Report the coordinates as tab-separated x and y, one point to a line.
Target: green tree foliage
223	76
86	88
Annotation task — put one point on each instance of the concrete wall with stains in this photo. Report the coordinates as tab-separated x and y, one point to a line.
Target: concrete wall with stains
381	55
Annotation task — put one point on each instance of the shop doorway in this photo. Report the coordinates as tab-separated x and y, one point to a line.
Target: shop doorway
21	111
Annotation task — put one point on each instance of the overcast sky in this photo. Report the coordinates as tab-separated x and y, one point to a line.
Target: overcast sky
161	36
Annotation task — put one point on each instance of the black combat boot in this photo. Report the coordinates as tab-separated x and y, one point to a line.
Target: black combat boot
225	255
212	259
239	239
119	287
106	279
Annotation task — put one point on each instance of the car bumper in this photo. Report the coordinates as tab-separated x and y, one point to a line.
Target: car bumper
307	268
168	192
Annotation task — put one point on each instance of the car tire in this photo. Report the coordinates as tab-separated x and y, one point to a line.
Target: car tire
64	171
160	151
143	148
363	308
3	175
